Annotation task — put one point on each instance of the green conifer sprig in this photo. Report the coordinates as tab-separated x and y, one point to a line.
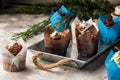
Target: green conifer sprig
32	30
84	9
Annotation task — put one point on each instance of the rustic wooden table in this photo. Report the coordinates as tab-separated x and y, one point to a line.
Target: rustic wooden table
16	23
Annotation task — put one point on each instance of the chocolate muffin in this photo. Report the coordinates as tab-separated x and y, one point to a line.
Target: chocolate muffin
109	23
87	42
16	61
57	44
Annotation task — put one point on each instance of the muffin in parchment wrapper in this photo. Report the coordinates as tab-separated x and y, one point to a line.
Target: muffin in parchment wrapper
85	38
112	65
57	36
14	56
109	31
56	44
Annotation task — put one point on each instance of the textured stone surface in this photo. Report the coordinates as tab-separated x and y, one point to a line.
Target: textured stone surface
17	23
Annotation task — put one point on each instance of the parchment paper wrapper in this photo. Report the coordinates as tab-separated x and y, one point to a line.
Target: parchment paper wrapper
58	47
84	43
15	63
74	50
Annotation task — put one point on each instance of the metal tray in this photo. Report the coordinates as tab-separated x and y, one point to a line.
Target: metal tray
93	62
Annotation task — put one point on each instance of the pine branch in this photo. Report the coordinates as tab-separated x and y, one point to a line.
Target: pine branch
84	9
33	30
